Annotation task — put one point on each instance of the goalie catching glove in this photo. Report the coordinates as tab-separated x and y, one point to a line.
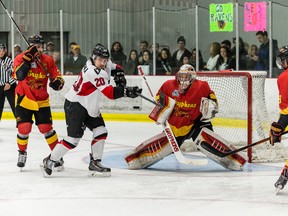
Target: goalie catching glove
276	131
132	91
208	108
57	83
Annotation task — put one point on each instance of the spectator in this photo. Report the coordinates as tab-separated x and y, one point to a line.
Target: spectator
132	63
158	53
263	53
50	48
147	62
193	59
7	83
225	60
185	60
226	43
74	64
214	55
179	54
117	54
242	53
252	58
143	47
164	65
17	50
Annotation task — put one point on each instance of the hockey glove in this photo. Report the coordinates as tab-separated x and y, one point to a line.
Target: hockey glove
30	53
276	131
119	77
132	91
57	83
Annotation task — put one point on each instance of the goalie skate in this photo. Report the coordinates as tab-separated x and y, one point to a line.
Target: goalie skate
97	169
219	145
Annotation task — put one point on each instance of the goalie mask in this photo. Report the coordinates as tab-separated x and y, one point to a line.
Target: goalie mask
282	57
185	76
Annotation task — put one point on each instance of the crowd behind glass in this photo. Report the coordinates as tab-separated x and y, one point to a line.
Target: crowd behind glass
222	56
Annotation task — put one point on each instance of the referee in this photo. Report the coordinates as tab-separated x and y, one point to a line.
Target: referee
7	83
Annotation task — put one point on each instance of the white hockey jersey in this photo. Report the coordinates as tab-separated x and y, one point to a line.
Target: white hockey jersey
91	83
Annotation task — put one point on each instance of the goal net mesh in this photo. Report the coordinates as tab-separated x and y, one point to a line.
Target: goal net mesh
243	116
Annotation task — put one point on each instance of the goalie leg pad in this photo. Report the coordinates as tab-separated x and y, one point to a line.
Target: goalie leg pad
232	162
149	152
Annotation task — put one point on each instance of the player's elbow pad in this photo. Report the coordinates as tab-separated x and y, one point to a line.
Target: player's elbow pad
22	71
118	92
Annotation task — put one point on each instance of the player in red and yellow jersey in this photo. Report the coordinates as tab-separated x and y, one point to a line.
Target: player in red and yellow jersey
277	128
33	69
185	120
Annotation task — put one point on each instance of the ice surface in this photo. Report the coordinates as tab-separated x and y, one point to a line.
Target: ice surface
167	188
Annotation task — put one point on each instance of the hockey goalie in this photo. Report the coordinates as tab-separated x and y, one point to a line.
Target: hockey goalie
187	105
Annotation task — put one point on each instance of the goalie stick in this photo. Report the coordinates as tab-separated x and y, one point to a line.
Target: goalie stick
24	38
170	136
211	149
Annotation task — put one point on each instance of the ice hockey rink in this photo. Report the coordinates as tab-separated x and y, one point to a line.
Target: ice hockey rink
167	188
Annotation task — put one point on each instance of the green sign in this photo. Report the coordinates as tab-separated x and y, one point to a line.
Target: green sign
221	17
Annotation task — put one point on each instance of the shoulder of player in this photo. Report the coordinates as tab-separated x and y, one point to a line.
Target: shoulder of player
46	57
283	77
200	82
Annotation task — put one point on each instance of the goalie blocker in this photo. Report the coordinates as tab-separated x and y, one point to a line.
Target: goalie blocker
156	148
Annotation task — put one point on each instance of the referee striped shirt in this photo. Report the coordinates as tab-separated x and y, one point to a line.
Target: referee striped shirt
6	71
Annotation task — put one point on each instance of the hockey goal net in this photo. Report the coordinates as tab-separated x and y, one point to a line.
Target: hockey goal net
243	116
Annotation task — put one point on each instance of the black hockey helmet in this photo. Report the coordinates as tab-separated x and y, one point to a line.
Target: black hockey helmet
281	56
100	50
2	46
36	39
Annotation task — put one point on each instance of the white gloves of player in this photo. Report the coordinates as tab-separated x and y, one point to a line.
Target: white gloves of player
208	108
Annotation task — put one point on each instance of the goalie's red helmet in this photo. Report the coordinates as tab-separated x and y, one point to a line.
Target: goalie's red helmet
281	56
185	76
100	50
36	39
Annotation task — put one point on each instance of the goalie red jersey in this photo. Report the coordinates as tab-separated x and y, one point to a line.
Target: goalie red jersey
33	88
187	107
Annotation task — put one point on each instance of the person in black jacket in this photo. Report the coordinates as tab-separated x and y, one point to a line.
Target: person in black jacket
179	54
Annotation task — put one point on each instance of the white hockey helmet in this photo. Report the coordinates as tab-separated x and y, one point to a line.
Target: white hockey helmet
185	76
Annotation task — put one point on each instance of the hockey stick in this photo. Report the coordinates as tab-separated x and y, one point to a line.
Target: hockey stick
170	136
24	38
211	149
151	101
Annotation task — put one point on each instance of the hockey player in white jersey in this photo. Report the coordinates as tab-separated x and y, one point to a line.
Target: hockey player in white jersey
82	109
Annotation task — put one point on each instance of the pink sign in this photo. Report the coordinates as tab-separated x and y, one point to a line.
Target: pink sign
255	16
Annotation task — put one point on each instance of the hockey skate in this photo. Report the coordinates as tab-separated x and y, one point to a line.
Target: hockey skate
59	165
97	169
282	180
22	156
47	166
